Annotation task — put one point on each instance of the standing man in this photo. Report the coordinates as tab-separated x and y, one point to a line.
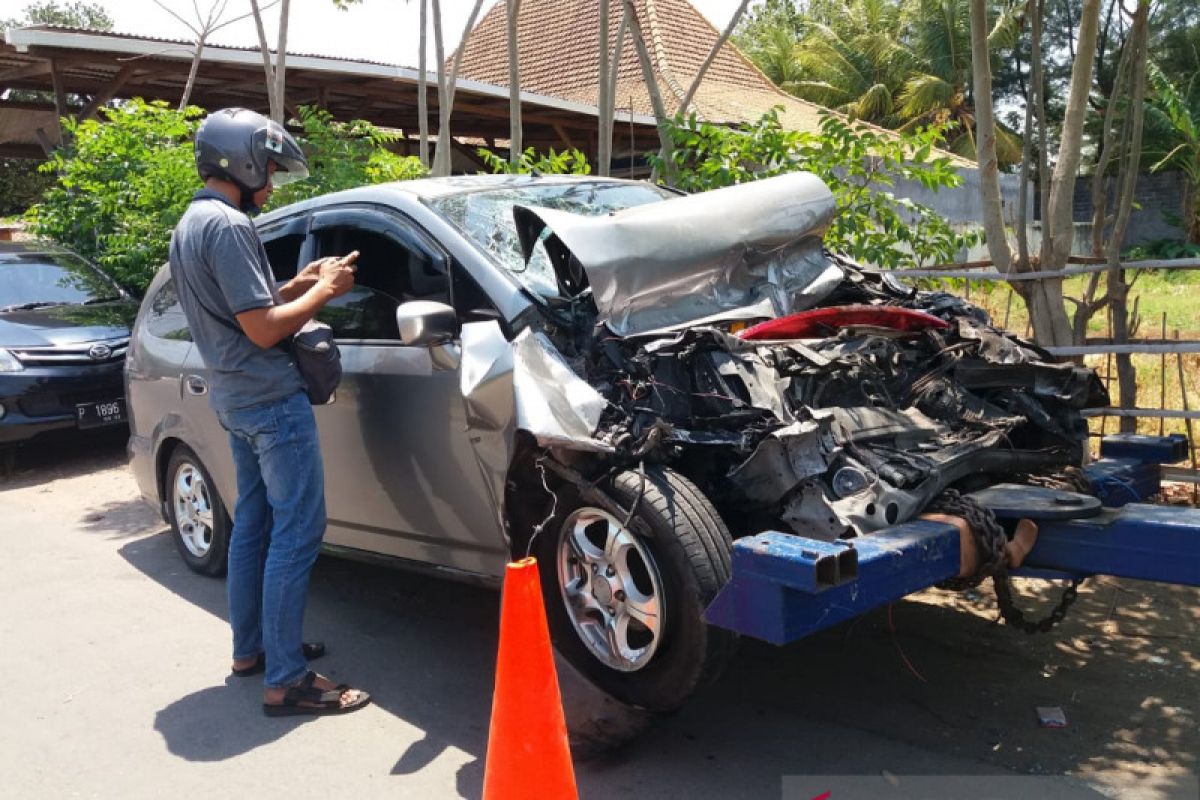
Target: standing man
239	318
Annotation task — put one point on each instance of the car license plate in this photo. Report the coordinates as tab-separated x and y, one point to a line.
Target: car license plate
93	415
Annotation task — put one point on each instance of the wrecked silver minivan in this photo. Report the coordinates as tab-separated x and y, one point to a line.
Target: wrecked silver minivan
620	380
708	351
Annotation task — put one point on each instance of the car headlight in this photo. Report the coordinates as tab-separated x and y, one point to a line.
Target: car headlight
9	363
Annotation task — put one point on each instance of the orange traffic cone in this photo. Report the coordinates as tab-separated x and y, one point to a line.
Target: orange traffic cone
527	754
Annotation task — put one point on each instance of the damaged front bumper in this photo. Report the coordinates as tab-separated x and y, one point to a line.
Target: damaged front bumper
785	586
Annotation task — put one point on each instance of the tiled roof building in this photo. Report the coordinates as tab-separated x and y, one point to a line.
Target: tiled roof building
558	45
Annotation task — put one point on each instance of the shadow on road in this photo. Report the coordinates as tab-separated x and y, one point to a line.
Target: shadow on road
840	702
196	727
424	648
119	519
44	460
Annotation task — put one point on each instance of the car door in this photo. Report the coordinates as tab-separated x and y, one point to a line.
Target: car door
401	477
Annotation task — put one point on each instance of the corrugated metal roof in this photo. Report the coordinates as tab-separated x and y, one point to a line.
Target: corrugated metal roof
189	43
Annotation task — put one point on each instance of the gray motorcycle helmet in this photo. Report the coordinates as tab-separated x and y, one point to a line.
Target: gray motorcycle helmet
236	144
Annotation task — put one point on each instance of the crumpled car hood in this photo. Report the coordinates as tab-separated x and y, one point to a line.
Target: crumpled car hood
742	252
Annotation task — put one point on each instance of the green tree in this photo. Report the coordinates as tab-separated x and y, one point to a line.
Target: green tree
1173	127
122	184
342	155
940	91
859	163
902	64
566	162
78	14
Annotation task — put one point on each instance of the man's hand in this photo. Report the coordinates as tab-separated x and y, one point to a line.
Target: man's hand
337	273
306	278
267	326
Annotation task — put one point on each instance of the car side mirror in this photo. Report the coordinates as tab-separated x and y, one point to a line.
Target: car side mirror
424	323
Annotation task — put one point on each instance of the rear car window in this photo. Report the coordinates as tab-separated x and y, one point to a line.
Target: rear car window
165	318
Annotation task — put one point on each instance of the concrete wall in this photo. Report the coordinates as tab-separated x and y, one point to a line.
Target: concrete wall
962	205
1160	197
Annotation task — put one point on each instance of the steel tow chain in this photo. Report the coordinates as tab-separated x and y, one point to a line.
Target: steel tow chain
992	539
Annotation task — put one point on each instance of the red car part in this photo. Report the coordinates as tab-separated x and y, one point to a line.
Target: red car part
820	321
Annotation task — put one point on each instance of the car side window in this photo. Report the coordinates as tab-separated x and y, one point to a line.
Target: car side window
390	272
283	240
283	252
165	318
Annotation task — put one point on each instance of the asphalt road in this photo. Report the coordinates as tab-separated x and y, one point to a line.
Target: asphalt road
117	659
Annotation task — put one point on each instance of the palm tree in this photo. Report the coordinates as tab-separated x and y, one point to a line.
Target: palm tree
898	63
940	92
850	59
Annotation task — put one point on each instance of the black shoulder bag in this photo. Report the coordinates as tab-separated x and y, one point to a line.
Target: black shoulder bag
319	361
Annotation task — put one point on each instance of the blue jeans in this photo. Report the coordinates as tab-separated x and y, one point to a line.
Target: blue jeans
277	528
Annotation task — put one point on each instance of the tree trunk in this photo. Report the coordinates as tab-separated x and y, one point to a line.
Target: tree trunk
712	55
1062	194
1022	222
423	89
985	141
440	154
656	101
604	111
268	70
1109	141
613	73
514	84
441	158
1050	323
1191	213
1038	79
1118	290
191	78
281	65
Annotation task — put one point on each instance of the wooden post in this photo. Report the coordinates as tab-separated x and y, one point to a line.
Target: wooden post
1162	378
1183	393
104	95
60	98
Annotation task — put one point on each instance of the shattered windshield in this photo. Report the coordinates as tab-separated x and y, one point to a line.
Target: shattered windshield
487	220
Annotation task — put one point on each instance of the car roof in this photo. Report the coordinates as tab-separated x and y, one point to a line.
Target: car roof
32	248
431	188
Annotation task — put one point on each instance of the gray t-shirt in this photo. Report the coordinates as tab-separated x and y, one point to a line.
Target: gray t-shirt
220	270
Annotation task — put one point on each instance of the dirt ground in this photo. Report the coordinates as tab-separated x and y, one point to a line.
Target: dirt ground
116	660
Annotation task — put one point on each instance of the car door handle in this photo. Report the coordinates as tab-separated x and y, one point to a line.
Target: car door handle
195	384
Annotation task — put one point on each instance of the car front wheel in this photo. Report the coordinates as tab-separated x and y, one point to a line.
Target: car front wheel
625	598
198	519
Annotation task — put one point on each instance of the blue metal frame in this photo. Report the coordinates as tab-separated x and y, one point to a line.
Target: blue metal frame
1151	543
784	587
768	600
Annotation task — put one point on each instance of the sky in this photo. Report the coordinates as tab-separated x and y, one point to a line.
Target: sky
376	30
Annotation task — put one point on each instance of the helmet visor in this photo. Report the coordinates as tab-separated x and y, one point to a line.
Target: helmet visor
279	147
289	171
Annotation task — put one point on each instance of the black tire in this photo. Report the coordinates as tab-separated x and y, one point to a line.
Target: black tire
204	547
689	546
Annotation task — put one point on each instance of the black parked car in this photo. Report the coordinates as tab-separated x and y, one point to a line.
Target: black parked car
64	330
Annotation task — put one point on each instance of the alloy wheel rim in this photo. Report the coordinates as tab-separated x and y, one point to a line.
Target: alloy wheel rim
611	589
193	510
